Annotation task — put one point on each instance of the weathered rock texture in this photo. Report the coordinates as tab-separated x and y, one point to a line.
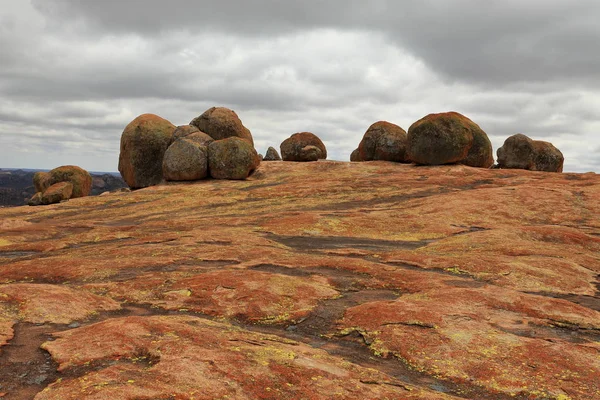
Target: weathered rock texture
355	155
182	131
272	155
222	123
521	152
303	146
383	141
449	138
78	177
232	158
57	193
185	160
309	281
143	145
62	183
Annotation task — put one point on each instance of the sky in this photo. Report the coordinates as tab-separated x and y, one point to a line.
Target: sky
74	73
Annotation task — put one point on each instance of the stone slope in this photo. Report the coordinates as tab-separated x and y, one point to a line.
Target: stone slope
309	281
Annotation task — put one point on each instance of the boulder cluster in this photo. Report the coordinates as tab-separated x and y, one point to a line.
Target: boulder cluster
62	183
215	144
452	138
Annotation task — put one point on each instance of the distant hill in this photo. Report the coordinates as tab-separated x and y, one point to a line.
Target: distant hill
16	185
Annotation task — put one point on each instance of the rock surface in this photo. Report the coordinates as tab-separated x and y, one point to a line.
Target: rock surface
182	131
143	145
383	141
309	280
185	160
78	177
303	146
231	158
521	152
272	155
448	138
222	123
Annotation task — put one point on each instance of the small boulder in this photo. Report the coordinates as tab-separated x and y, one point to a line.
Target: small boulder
57	193
41	181
143	145
221	123
272	155
232	158
383	141
355	156
448	138
182	131
78	177
521	152
185	160
303	146
36	199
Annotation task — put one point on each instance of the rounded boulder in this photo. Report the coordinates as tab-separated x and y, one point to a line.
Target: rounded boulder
185	160
143	145
303	146
232	158
222	123
58	192
448	138
383	141
78	177
182	131
521	152
41	181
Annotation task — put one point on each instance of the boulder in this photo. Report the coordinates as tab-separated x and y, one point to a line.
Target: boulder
448	138
58	192
200	138
36	199
383	141
185	160
272	155
303	146
143	145
221	123
355	156
182	131
232	158
78	177
41	181
521	152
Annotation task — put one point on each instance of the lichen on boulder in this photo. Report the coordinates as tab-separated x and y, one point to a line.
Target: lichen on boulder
303	146
383	141
185	160
448	138
58	192
232	158
143	145
222	123
521	152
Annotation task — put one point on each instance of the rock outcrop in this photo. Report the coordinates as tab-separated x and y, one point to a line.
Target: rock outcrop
521	152
143	145
78	177
272	155
182	131
232	158
222	123
383	141
316	281
303	146
449	138
185	160
50	188
355	156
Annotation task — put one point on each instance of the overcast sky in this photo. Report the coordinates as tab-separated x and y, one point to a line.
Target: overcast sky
73	73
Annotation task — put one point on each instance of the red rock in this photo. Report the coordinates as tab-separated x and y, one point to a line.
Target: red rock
222	123
57	193
383	141
303	146
78	177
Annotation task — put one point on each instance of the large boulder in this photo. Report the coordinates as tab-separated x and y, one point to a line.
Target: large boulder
78	177
521	152
221	123
200	138
58	192
182	131
232	158
143	145
303	146
355	156
272	155
185	160
448	138
383	141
